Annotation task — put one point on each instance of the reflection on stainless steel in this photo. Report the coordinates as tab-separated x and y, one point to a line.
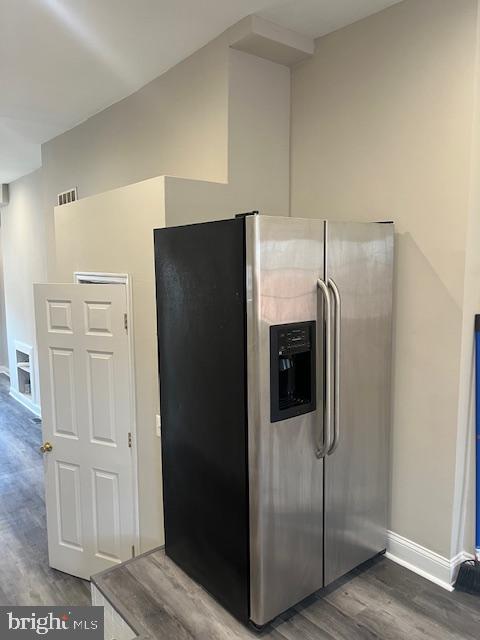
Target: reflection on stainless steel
285	258
360	262
285	273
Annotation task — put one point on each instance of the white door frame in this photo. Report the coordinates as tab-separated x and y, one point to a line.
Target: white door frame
125	279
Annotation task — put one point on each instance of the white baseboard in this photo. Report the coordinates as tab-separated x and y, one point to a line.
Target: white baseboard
5	370
426	563
31	406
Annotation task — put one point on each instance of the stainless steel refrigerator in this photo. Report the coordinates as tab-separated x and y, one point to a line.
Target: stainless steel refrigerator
274	340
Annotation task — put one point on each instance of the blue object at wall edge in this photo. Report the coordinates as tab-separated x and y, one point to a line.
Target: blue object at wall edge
477	433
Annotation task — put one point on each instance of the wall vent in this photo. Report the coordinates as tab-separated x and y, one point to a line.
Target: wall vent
67	196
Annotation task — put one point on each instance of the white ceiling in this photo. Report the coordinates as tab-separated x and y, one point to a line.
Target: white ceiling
61	61
319	17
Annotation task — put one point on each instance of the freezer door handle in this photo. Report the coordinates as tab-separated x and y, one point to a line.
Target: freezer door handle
336	366
324	435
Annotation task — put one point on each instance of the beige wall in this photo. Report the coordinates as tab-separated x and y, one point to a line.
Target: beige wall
463	529
258	149
177	125
381	129
259	133
219	115
24	255
113	232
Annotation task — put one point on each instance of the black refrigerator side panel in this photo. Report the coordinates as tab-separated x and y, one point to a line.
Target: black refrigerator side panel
201	318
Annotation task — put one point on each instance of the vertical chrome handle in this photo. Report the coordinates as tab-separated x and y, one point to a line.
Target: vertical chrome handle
324	443
336	375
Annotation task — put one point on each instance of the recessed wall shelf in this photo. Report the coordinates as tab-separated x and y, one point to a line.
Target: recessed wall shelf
23	356
23	377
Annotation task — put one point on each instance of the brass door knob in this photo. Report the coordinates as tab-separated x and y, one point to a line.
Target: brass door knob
46	448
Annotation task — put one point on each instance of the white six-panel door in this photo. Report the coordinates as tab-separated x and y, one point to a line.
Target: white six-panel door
83	355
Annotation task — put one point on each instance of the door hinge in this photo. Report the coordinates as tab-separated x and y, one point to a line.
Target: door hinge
130	440
125	322
133	551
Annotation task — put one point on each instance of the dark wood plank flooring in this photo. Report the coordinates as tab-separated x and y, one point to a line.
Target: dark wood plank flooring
378	601
25	577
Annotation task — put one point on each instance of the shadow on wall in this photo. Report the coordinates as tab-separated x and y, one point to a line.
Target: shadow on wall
427	328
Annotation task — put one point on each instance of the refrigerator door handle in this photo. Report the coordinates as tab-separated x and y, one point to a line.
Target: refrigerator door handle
336	366
324	444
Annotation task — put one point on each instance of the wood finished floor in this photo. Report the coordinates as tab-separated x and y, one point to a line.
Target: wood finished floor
25	577
381	601
378	601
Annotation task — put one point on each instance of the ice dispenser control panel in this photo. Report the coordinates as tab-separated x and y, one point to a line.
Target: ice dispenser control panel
293	340
292	370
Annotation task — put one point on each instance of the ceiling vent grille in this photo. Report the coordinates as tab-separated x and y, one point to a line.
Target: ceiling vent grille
67	196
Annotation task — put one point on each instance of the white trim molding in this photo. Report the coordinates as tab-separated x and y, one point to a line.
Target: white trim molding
5	370
94	277
22	399
426	563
